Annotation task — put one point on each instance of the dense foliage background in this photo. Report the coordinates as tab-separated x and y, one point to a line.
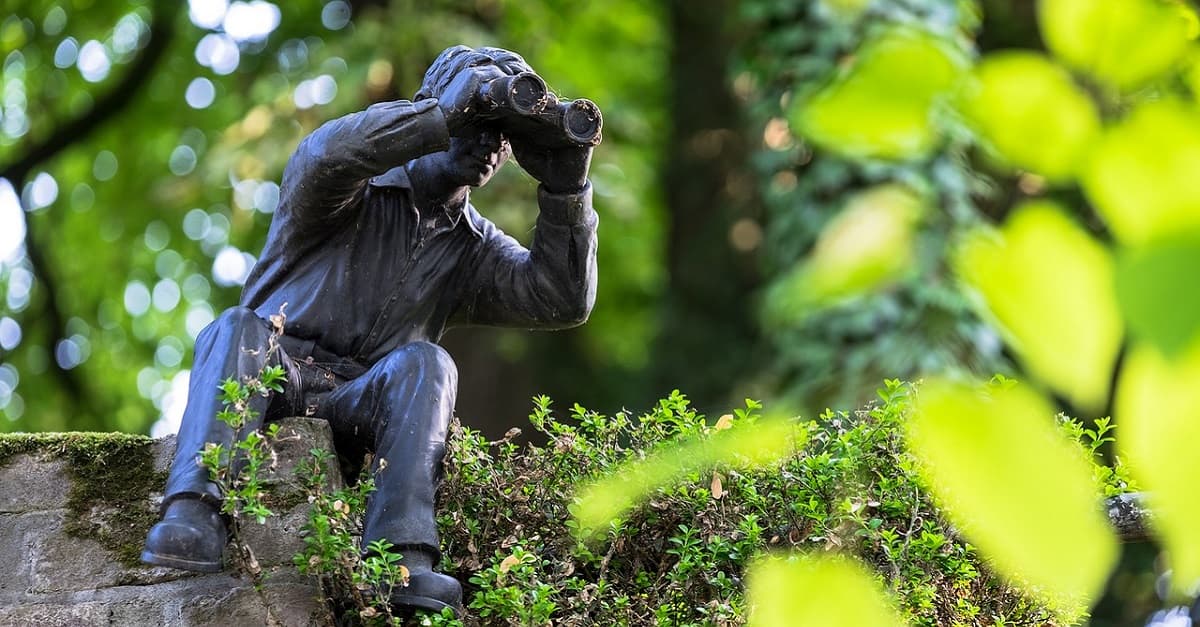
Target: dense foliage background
145	142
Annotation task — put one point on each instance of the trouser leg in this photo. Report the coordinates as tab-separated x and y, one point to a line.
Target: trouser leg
403	404
234	345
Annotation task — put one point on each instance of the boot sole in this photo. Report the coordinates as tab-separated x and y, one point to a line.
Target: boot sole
180	563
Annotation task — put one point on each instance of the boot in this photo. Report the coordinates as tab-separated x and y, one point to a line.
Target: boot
191	536
426	589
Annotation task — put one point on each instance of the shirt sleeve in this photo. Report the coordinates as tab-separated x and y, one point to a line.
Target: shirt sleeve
331	167
551	285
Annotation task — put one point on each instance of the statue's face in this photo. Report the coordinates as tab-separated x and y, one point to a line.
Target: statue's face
474	158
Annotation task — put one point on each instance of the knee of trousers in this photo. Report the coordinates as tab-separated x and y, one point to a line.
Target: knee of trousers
430	360
232	321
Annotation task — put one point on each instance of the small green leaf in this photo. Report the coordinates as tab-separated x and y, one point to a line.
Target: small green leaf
231	391
812	591
1158	410
1154	287
1142	176
1031	113
1049	288
1121	42
1016	488
881	104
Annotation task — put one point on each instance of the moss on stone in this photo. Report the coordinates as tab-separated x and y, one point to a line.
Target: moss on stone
70	446
281	499
112	476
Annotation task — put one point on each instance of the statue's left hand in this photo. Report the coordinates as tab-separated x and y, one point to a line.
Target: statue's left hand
561	169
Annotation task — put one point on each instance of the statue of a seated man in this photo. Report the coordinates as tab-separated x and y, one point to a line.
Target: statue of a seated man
376	250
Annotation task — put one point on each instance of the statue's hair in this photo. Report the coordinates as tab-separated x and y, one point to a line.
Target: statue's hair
455	59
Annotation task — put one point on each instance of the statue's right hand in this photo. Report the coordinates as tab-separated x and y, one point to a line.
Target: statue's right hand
461	101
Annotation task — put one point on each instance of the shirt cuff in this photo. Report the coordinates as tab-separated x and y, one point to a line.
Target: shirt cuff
431	130
566	209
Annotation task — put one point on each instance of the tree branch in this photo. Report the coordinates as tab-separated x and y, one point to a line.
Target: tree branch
52	315
73	131
66	135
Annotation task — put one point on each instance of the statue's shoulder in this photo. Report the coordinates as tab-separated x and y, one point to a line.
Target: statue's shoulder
396	177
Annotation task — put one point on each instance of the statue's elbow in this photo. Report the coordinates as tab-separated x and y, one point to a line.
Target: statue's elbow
576	311
580	315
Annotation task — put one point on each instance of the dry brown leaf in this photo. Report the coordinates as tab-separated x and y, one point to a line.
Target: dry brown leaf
717	489
508	562
724	422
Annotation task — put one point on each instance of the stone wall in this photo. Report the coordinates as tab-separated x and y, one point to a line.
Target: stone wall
74	509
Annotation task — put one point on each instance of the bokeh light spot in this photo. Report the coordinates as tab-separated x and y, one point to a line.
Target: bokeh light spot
20	283
157	235
10	333
105	165
266	197
166	295
207	13
200	93
196	288
43	191
182	160
173	403
12	224
198	317
169	353
218	52
251	21
82	197
137	298
55	22
69	352
196	224
93	62
66	53
230	267
335	15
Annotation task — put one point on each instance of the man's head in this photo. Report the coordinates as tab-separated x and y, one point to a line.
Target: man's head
474	157
455	59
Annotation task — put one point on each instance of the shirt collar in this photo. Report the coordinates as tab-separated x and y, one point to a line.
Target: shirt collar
398	177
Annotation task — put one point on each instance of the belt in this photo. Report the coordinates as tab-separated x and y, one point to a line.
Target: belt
307	350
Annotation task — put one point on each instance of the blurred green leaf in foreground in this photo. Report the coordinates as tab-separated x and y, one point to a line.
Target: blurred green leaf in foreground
816	591
1015	487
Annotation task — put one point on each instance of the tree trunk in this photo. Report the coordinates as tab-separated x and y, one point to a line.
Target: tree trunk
708	331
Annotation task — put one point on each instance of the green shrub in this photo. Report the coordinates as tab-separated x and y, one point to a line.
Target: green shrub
505	516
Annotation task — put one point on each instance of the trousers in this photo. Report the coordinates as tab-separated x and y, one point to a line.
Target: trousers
399	408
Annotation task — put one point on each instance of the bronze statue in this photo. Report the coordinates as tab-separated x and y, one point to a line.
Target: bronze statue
376	250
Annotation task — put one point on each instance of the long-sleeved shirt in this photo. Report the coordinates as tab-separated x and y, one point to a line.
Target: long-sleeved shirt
363	272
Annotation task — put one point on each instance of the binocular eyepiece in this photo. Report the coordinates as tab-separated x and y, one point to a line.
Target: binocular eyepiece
527	106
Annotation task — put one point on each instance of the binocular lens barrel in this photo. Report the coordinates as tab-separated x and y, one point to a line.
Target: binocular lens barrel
523	93
581	120
526	107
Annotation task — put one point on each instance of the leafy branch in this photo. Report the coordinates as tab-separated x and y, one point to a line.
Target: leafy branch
237	467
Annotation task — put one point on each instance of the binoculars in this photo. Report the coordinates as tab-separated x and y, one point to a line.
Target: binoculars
527	108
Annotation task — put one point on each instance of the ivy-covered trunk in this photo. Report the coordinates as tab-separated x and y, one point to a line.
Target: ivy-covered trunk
832	356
